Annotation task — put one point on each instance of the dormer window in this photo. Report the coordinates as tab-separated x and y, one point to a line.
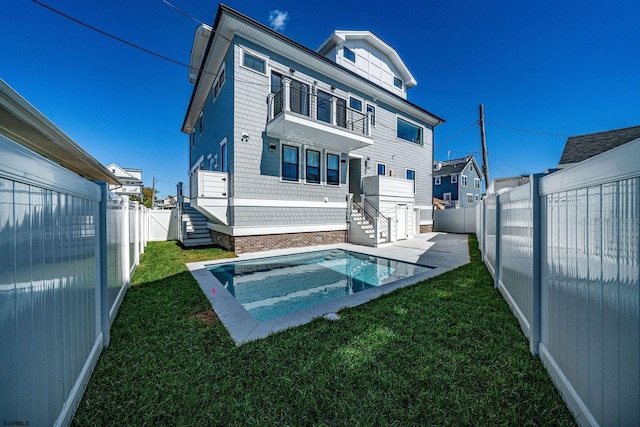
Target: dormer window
397	82
349	54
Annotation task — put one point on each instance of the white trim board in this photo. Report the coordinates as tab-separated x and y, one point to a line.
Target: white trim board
233	201
285	229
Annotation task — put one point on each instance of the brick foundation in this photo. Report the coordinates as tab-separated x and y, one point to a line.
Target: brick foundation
265	242
426	228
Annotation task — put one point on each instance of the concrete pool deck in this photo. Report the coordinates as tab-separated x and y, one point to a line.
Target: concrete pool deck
441	251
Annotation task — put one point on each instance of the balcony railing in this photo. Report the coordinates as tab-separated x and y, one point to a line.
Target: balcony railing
319	106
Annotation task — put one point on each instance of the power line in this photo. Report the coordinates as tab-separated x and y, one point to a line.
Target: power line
182	12
527	130
77	21
507	163
456	135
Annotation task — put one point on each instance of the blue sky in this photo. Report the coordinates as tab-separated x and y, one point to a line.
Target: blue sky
549	67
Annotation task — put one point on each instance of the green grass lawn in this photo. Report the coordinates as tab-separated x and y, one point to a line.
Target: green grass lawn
446	351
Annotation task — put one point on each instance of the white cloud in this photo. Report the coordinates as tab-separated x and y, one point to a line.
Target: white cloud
278	19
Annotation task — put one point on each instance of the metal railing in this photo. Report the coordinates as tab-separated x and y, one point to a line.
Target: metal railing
318	106
381	224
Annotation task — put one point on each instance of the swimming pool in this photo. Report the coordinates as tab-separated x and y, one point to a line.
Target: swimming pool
271	287
259	294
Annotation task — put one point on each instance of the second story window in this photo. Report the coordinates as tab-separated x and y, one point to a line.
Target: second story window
253	62
372	113
454	179
324	106
382	169
409	131
411	174
355	104
349	54
397	82
463	180
476	183
438	180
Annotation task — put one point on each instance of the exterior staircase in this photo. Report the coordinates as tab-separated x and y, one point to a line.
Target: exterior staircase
194	228
362	229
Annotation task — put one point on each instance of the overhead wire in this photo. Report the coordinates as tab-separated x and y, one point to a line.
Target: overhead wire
526	130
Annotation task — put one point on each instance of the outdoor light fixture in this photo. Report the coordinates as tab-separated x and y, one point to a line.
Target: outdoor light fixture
245	136
292	70
272	146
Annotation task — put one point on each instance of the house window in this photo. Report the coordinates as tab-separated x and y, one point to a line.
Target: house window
289	163
477	197
355	104
446	197
313	167
372	113
349	54
333	169
382	169
397	82
253	62
217	85
341	112
469	198
411	174
299	97
223	156
438	180
324	106
454	179
409	131
476	183
463	180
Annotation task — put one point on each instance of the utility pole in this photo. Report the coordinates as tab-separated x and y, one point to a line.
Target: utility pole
485	164
153	193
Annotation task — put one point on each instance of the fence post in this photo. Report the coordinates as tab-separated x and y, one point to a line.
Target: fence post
536	300
103	281
498	243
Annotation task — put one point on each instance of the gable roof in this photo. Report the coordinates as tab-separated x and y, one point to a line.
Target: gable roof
582	147
229	22
340	36
124	173
455	166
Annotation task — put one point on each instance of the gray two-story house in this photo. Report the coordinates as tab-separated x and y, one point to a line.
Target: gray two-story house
294	147
457	182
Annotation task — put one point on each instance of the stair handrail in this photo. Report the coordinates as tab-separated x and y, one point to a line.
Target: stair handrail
379	221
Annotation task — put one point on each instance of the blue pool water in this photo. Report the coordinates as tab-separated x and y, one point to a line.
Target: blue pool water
271	287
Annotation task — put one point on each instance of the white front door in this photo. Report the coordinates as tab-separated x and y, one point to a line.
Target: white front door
401	215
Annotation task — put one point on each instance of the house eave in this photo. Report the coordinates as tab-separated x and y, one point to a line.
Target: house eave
229	23
23	123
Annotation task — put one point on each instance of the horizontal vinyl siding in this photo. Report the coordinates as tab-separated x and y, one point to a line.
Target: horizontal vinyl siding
287	216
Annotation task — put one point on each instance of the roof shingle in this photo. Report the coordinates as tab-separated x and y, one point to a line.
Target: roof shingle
582	147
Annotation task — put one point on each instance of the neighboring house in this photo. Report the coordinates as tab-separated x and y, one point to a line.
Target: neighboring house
281	135
131	180
500	185
582	147
458	182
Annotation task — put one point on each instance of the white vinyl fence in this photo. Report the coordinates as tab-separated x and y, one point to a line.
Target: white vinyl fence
68	248
564	251
461	220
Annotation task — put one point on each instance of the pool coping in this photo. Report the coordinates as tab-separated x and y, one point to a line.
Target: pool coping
243	328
